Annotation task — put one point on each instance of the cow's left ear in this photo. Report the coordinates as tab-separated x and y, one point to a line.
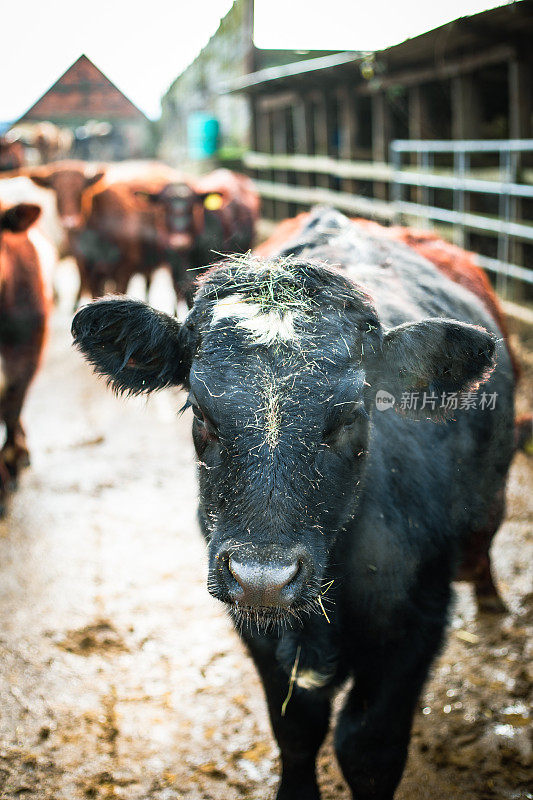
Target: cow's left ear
44	181
19	218
90	180
136	347
434	356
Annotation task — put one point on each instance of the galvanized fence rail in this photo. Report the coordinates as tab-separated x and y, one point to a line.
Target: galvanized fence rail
461	178
507	226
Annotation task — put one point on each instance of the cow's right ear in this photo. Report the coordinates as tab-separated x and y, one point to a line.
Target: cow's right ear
40	180
137	348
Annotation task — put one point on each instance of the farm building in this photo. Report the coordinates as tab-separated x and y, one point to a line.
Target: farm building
198	118
103	121
435	129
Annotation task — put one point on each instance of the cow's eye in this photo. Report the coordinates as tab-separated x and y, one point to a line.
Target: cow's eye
203	422
199	414
344	425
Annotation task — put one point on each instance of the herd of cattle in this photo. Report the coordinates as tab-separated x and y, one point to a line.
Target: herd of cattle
303	481
116	221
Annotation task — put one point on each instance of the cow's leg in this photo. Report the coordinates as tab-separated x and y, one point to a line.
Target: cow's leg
188	293
374	727
14	454
93	281
83	284
148	278
122	274
300	730
476	563
5	480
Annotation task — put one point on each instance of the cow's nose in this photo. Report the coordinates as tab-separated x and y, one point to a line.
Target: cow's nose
263	585
71	221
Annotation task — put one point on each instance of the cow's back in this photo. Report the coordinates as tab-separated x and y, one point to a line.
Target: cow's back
457	265
404	285
428	483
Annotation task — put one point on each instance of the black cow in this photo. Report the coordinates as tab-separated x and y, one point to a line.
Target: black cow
334	524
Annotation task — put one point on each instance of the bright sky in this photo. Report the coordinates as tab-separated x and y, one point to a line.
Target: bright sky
143	46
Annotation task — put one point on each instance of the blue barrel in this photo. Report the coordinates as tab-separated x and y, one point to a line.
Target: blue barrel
202	136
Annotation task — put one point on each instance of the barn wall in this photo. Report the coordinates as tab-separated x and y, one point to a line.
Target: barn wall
226	56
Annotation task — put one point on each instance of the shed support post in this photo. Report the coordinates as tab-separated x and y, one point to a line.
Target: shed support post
381	137
348	123
520	110
466	111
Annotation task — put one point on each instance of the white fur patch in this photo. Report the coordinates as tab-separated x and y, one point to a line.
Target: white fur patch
311	679
234	306
264	327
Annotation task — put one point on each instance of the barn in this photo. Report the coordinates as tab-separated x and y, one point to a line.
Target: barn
199	119
104	123
436	130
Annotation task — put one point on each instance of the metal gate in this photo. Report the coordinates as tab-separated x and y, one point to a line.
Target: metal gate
508	226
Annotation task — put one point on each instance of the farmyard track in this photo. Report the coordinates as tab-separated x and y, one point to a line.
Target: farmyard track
120	677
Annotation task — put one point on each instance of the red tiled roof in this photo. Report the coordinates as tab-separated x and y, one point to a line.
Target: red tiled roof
83	92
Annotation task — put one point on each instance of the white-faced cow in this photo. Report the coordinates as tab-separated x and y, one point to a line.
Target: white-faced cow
335	525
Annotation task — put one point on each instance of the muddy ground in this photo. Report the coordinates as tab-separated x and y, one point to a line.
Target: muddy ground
120	677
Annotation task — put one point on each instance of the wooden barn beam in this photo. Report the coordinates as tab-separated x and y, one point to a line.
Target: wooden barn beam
264	143
520	100
466	108
520	110
280	142
301	121
322	133
439	71
272	102
381	137
349	129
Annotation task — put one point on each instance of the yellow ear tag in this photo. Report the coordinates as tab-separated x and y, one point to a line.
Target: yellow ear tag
212	202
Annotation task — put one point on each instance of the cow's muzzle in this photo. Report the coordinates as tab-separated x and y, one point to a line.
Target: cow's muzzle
179	241
72	222
276	580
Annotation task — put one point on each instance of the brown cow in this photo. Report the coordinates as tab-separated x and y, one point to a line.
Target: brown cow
75	184
120	238
23	315
205	218
68	179
11	154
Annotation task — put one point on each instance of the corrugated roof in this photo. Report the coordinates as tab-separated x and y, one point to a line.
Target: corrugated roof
510	21
290	70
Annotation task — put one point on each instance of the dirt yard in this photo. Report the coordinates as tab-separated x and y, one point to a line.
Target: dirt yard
120	677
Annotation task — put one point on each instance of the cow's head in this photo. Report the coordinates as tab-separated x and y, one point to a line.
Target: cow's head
11	153
281	361
184	210
68	180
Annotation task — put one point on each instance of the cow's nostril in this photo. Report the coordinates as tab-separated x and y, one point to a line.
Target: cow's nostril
259	584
